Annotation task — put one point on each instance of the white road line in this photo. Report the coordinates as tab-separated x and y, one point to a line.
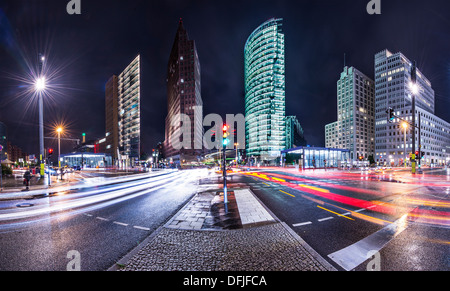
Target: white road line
141	228
101	218
324	219
355	254
120	223
302	224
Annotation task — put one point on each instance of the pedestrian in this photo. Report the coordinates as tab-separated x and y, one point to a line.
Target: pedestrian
26	179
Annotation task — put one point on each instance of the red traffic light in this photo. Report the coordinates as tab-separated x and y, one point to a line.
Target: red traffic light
417	153
50	151
225	127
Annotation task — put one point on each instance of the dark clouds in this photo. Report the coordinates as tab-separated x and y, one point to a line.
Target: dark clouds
109	34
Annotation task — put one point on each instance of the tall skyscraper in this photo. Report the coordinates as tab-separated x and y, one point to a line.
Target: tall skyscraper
294	133
123	117
265	91
393	90
183	99
354	129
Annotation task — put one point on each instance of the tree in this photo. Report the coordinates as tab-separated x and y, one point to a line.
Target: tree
6	170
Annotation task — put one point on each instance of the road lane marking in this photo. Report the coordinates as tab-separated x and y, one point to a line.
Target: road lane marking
324	219
355	254
101	218
315	188
302	224
286	193
120	223
341	215
141	228
364	217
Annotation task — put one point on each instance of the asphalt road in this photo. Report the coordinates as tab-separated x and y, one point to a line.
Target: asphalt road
359	221
100	223
356	221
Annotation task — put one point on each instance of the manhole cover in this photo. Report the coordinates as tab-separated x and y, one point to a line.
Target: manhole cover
25	205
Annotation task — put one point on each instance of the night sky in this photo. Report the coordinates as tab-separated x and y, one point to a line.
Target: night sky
85	50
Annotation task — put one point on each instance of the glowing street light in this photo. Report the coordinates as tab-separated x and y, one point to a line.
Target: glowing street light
40	85
414	88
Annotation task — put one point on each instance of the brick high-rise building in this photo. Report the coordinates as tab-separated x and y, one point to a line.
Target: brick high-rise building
183	99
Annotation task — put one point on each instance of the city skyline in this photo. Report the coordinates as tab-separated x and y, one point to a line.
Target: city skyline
188	136
311	62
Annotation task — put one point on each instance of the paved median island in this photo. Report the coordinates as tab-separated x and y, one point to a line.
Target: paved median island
207	235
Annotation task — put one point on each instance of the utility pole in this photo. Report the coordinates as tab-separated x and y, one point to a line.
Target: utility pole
41	116
225	143
413	109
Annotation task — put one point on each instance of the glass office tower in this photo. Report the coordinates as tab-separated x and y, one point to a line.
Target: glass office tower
265	92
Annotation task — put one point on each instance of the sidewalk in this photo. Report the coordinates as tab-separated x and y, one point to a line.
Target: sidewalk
206	235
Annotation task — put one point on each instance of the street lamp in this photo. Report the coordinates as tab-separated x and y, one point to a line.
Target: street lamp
40	86
405	126
414	90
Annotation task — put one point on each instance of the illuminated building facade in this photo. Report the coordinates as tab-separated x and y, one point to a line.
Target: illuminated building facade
354	129
183	99
393	90
265	112
123	116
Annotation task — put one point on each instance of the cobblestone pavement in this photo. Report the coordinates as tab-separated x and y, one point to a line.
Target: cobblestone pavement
262	248
204	237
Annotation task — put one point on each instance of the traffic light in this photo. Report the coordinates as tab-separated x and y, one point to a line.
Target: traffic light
417	154
50	153
391	115
422	155
225	135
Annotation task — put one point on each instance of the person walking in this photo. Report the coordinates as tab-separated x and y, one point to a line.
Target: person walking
26	180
